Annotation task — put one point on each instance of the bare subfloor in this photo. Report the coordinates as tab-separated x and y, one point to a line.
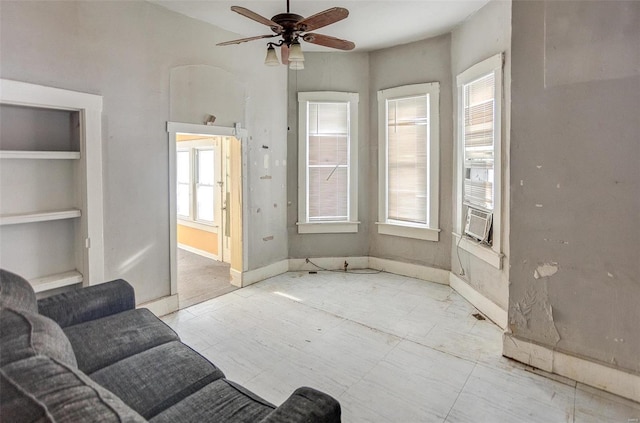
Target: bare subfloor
201	279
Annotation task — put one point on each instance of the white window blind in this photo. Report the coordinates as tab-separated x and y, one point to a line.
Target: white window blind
328	161
184	183
407	159
479	140
205	194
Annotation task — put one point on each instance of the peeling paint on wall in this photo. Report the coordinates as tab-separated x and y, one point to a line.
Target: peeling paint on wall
546	270
268	238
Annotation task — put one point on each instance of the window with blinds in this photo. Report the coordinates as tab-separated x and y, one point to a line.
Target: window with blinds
407	159
478	137
328	161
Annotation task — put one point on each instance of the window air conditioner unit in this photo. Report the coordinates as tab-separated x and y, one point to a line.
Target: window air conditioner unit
478	224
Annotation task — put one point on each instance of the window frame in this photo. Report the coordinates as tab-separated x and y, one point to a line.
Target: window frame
491	254
304	224
192	220
431	230
195	155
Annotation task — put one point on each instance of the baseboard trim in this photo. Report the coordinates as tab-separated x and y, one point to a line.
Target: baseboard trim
162	306
199	252
329	263
479	301
417	271
249	277
590	373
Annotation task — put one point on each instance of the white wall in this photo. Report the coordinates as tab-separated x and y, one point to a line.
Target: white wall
330	72
574	145
485	34
422	61
125	51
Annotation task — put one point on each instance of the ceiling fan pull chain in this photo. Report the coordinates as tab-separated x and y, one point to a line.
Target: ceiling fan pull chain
287	6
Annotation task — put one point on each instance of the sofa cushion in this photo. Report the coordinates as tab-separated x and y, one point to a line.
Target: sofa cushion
219	401
155	379
45	390
128	333
16	292
24	334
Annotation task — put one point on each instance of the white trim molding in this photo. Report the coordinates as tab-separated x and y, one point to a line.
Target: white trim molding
162	306
328	263
590	373
249	277
350	224
429	231
487	307
483	252
411	270
199	252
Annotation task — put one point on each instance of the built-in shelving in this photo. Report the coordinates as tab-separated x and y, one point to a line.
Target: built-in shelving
58	280
51	213
44	216
40	155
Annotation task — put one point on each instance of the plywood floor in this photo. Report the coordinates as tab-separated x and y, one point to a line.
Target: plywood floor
201	279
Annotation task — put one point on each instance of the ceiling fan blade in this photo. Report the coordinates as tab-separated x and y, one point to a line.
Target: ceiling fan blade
322	19
284	54
327	41
277	28
244	40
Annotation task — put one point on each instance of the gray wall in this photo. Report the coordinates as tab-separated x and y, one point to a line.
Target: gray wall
485	34
575	188
126	51
414	63
330	72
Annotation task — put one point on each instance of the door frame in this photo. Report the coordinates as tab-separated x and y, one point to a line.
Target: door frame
175	128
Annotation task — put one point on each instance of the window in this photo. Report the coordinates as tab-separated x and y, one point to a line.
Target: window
196	194
204	184
409	161
184	183
479	150
327	176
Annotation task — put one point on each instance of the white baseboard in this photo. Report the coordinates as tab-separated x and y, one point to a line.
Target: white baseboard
479	301
330	263
199	252
417	271
162	306
242	279
590	373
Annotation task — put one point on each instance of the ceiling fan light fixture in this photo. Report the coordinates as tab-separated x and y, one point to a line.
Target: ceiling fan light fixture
296	66
295	52
272	57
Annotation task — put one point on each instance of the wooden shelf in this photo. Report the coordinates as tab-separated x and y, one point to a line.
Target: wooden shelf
58	280
40	155
45	216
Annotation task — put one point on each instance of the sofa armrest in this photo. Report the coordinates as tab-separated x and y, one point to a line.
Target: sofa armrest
306	405
90	303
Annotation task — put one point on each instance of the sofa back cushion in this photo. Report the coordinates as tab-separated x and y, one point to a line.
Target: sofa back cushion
16	292
42	389
24	334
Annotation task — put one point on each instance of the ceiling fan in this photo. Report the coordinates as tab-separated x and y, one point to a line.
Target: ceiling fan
292	28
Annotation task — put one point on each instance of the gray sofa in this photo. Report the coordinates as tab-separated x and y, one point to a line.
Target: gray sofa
90	355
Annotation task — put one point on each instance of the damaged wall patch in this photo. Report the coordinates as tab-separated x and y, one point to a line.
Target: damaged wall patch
545	270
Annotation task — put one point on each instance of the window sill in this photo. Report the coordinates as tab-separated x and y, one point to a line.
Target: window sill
327	227
408	231
481	251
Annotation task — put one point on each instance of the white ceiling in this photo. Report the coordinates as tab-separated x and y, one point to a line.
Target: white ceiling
371	25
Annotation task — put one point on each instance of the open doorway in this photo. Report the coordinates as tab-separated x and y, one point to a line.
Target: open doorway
206	221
